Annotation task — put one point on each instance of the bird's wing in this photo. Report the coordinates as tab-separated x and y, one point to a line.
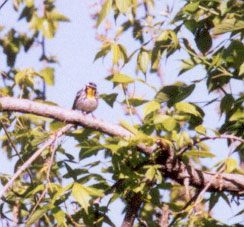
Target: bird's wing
76	98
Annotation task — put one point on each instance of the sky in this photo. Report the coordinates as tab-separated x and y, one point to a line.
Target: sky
75	47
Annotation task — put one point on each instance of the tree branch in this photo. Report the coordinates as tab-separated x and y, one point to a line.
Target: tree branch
132	209
172	167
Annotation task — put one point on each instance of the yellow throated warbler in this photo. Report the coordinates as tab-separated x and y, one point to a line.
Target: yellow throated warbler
86	99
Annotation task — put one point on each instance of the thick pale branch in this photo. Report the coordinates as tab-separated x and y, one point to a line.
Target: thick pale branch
172	168
59	113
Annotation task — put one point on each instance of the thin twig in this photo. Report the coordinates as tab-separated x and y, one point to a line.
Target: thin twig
1	6
15	149
164	220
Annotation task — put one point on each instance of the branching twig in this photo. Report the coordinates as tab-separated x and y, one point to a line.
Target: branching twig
200	196
53	149
34	157
224	136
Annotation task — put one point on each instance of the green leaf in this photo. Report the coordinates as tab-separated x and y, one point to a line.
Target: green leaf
150	107
55	125
109	99
226	103
174	93
104	12
143	61
203	40
115	53
38	214
48	75
122	79
81	195
231	165
123	5
103	52
136	101
187	108
200	129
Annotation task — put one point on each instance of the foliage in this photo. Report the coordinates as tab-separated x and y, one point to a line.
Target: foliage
41	195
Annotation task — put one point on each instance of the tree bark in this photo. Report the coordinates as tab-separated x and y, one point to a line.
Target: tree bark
132	210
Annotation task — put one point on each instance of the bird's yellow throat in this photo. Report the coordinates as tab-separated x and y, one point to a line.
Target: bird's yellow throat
91	92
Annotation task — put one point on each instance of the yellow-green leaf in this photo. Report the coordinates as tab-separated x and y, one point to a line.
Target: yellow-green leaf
231	165
186	107
35	23
115	53
38	214
174	38
123	5
143	61
48	75
151	107
241	69
121	78
60	192
129	127
48	28
81	195
59	215
169	123
94	191
55	15
19	77
29	3
201	130
150	173
200	154
104	12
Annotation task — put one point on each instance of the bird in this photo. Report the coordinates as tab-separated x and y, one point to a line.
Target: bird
86	99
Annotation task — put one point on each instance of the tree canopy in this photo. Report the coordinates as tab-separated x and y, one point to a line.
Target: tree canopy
153	160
